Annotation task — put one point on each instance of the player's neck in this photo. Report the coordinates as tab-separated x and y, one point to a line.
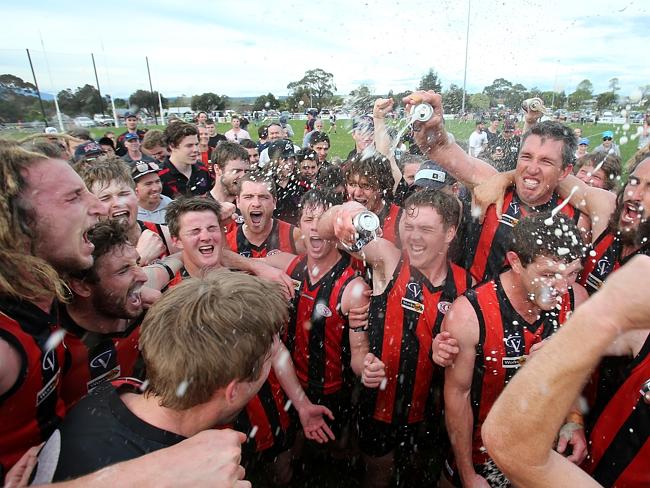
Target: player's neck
220	194
258	237
184	168
519	298
134	232
181	422
318	267
197	271
135	155
435	270
85	316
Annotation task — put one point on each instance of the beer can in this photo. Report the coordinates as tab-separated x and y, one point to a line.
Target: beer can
366	224
422	112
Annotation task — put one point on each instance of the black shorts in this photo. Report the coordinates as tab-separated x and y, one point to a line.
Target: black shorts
340	403
376	439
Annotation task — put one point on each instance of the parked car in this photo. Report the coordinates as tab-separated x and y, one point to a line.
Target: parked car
606	117
103	120
84	122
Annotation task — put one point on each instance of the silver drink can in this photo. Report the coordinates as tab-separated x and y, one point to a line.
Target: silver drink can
422	112
366	224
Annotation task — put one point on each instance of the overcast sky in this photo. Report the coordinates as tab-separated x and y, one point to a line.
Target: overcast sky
247	48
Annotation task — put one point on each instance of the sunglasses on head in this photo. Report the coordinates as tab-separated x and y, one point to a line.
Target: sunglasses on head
607	138
142	167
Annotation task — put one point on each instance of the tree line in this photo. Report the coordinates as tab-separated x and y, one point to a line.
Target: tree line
315	89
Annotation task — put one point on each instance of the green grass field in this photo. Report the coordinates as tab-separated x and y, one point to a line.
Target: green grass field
342	143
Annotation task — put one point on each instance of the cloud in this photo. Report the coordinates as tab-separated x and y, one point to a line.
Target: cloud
255	47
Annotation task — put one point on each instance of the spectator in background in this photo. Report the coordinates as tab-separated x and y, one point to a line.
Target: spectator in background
89	151
409	166
332	123
236	133
181	174
201	119
282	167
131	121
583	145
363	133
275	133
320	143
599	170
510	143
644	133
263	138
492	131
251	149
286	126
215	138
608	145
107	145
133	152
204	148
154	145
318	127
308	168
110	135
309	125
477	139
243	122
577	131
148	189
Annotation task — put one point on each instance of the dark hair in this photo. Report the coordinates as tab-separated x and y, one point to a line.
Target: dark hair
318	137
307	154
227	151
209	121
329	177
259	176
447	206
179	207
533	236
106	141
376	169
105	236
410	159
319	198
611	166
80	133
558	132
263	131
176	132
248	144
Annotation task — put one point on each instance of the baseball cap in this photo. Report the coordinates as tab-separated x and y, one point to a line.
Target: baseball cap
281	149
141	168
583	141
130	136
608	133
90	148
432	176
51	130
363	122
130	114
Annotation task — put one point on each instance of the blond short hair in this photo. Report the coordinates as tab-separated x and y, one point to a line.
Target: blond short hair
205	333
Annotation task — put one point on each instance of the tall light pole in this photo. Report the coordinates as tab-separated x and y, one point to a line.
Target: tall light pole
469	9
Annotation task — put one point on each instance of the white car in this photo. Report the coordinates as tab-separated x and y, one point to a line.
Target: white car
84	122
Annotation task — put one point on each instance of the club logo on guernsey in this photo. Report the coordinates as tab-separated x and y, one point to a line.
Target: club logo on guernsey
321	309
48	361
513	341
414	289
603	265
443	307
102	360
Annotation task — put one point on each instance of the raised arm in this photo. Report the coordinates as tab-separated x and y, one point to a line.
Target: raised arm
434	140
383	142
520	430
462	324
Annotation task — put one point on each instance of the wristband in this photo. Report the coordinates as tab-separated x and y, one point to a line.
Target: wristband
575	417
170	271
